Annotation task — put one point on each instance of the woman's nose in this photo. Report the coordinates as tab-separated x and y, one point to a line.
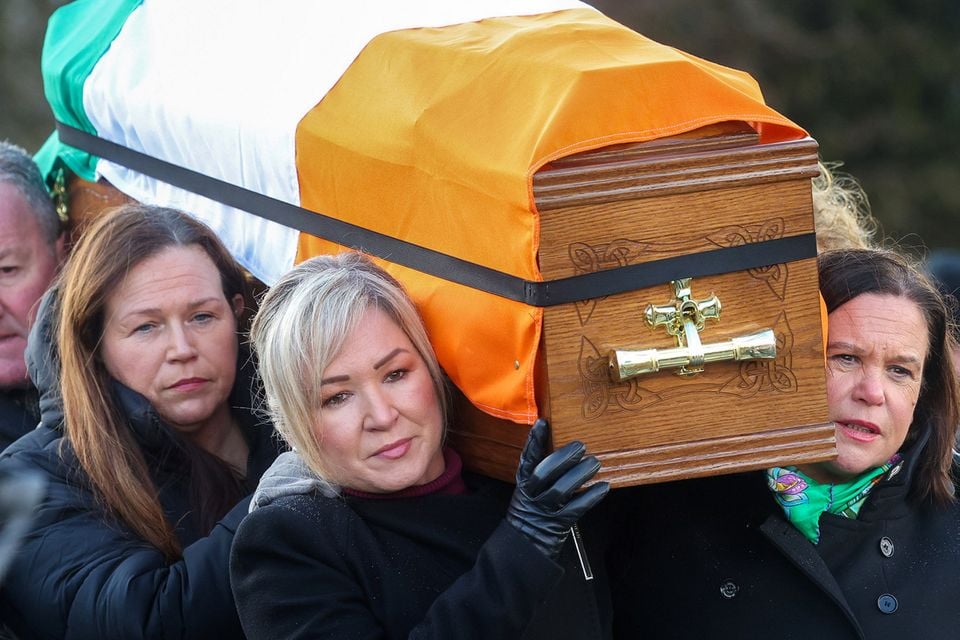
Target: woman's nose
869	389
180	345
380	411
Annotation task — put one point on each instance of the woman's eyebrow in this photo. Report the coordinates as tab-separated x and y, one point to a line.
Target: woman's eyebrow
849	347
146	311
379	363
907	358
845	346
384	360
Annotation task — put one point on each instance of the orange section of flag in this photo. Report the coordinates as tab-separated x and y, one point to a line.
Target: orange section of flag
434	135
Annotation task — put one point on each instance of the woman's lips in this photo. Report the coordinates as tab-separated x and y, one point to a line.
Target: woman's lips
394	450
188	384
859	430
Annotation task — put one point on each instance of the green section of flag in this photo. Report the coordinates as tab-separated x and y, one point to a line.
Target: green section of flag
78	34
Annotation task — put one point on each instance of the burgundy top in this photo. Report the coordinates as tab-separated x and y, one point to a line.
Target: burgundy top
450	482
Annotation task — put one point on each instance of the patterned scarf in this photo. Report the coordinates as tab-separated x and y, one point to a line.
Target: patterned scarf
803	499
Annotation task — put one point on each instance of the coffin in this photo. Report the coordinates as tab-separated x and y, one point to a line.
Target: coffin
638	203
588	170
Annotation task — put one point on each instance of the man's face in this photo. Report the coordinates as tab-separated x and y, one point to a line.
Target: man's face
27	265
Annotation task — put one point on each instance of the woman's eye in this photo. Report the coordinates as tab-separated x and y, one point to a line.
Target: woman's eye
396	375
335	400
203	317
143	328
901	372
844	357
9	270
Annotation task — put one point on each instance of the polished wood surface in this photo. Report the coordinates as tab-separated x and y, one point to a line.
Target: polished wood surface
632	204
86	200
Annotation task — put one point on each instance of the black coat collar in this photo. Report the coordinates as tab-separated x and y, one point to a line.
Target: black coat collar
160	442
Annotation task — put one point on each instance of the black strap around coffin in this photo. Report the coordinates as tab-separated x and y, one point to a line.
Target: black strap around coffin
441	265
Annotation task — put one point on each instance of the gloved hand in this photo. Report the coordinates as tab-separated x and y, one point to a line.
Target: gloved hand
543	506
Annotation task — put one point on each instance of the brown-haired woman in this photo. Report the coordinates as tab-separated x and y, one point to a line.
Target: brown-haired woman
861	546
153	448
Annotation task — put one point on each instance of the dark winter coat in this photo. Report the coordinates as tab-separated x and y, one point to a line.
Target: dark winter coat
436	566
716	558
18	414
80	575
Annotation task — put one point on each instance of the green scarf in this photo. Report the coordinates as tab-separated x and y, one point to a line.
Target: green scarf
804	499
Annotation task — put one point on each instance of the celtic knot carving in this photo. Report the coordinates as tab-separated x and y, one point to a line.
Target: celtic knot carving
757	376
775	275
601	394
586	258
589	259
599	391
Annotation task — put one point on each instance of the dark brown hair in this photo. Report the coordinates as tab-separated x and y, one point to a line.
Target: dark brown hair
95	426
848	273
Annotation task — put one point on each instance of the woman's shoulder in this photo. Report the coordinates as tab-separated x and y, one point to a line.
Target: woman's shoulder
32	440
308	522
68	493
309	503
45	449
309	509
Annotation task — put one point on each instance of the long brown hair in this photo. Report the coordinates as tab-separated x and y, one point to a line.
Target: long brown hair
846	274
95	425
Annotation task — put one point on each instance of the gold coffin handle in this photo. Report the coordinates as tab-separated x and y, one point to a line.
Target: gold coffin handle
624	365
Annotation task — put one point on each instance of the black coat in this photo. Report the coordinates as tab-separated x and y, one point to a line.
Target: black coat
435	566
79	575
19	414
717	558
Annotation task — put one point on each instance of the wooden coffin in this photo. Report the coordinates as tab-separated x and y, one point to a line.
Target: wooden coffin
636	203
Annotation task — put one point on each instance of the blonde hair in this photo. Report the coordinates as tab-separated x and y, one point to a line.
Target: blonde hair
841	211
301	326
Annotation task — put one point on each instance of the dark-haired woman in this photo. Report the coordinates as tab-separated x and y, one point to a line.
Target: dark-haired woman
866	545
147	438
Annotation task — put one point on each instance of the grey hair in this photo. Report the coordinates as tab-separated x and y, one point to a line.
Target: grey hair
303	322
18	169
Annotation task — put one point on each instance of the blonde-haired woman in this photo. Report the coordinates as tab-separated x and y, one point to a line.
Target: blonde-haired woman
153	449
371	529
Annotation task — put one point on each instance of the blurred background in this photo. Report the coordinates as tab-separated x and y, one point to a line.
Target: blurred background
876	82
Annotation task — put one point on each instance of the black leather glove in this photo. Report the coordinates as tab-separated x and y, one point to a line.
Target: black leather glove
543	506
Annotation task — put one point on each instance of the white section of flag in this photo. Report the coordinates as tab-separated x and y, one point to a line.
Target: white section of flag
218	86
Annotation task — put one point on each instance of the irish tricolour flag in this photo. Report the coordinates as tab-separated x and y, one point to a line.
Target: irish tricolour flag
421	120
